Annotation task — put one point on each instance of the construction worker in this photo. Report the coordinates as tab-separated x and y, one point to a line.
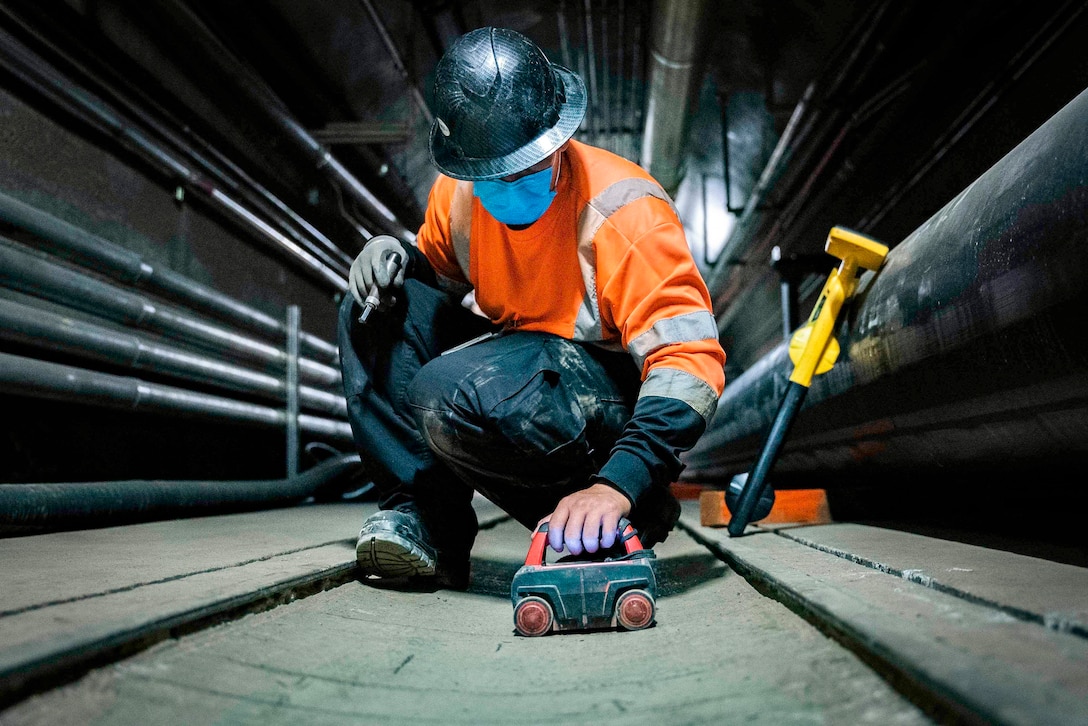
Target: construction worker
596	359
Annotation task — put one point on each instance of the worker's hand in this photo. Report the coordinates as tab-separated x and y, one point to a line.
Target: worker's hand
370	266
587	520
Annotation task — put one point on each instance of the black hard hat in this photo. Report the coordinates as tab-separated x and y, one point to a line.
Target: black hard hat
500	105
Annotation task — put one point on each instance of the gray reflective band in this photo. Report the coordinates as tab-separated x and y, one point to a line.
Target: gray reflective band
698	325
588	326
461	224
681	385
615	197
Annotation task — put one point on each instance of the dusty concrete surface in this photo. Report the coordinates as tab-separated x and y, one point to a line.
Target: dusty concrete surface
720	653
952	623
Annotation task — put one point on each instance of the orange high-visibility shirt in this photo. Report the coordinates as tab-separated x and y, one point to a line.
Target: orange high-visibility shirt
607	263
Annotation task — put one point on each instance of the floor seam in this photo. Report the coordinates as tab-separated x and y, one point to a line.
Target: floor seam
172	578
1051	621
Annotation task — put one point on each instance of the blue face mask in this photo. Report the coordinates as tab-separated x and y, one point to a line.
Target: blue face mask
523	201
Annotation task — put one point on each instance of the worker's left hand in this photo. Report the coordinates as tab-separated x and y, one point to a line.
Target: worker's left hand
587	520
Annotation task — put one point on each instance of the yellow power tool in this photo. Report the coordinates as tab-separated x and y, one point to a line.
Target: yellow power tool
813	350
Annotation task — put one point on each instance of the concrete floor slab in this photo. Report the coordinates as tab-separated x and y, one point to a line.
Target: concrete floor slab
720	652
72	600
975	662
1030	588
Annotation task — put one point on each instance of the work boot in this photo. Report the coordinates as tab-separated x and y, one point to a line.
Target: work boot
395	544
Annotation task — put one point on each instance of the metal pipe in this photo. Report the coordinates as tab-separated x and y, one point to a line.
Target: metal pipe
678	37
241	183
186	140
36	327
292	390
564	35
37	508
593	105
965	350
187	25
639	74
130	268
398	62
36	275
23	376
93	110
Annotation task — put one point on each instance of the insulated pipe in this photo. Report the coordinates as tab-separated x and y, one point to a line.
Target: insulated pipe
22	376
36	275
34	508
677	47
966	350
128	267
30	326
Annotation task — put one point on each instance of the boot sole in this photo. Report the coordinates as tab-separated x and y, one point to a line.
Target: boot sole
393	556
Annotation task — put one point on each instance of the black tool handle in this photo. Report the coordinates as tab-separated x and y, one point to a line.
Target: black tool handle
753	488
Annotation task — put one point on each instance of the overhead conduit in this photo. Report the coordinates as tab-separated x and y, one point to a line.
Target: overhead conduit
813	123
966	349
676	49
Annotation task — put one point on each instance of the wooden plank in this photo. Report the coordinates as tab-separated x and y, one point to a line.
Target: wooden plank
63	566
791	506
719	653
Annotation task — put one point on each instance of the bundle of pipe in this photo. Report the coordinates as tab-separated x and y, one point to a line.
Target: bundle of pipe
36	508
203	352
32	326
129	268
967	349
36	274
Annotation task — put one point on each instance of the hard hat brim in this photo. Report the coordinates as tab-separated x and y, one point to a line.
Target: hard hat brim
571	112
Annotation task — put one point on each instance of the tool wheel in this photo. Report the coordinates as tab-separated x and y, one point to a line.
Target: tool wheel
533	616
635	610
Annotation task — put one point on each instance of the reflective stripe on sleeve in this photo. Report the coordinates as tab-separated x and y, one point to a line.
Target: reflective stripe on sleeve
698	325
681	385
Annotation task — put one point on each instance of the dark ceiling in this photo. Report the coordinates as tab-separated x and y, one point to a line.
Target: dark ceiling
867	115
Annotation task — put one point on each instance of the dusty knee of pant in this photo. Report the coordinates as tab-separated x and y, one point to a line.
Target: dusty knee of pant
429	405
434	426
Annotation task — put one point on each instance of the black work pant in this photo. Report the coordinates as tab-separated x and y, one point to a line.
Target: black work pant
524	418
